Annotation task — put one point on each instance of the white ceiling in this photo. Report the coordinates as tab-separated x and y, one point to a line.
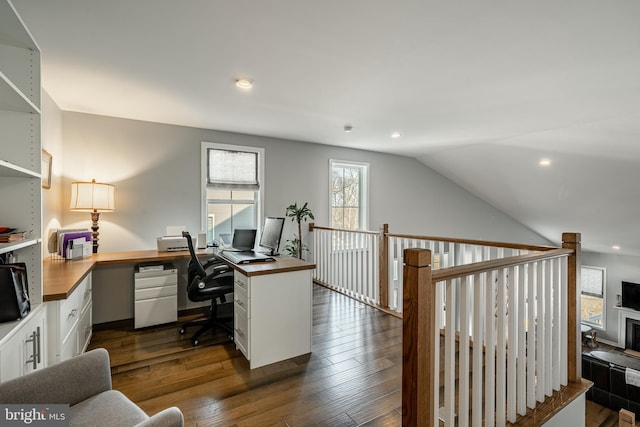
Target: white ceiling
479	90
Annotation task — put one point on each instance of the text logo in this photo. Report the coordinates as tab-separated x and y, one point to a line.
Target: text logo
34	415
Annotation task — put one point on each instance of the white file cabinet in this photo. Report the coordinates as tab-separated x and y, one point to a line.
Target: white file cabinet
156	295
272	316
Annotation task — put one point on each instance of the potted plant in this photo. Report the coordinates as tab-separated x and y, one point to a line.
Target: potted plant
295	247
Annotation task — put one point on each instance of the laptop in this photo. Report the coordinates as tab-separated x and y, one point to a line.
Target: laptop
241	250
243	240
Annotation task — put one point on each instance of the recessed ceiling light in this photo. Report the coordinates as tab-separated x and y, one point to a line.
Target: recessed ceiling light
615	247
348	128
395	135
544	162
244	83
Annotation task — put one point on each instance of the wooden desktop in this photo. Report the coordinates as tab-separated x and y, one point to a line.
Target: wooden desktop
272	300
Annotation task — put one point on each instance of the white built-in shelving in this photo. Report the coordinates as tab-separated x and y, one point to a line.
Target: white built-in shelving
20	162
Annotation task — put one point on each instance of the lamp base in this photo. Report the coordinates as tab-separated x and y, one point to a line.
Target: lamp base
94	230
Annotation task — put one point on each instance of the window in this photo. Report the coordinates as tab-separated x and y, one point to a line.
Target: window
232	190
592	296
349	189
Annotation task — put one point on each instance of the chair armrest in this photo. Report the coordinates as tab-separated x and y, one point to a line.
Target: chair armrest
170	417
218	272
70	381
212	262
214	265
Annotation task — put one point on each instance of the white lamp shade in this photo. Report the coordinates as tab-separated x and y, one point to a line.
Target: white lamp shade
92	196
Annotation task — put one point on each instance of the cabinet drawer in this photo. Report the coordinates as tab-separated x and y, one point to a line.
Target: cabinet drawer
155	281
69	347
147	293
241	330
71	307
86	295
156	311
241	281
84	329
240	299
69	315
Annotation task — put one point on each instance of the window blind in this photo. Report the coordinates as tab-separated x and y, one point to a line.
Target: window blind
233	170
592	281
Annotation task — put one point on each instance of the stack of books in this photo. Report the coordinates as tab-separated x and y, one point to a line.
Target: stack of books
9	235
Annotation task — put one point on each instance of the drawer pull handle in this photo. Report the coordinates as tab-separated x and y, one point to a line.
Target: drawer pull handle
240	303
73	313
239	332
34	339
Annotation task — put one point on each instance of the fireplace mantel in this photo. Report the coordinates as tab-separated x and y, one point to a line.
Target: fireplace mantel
624	314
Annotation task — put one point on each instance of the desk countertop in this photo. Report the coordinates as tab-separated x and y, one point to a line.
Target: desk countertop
61	277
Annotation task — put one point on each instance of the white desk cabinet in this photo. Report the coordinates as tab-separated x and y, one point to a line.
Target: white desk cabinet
156	296
69	322
272	316
24	350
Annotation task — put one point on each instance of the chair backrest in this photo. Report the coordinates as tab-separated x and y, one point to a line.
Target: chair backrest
202	280
194	267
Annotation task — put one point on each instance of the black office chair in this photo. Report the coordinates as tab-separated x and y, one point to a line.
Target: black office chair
212	281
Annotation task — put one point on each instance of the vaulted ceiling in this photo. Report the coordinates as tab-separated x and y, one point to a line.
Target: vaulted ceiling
480	91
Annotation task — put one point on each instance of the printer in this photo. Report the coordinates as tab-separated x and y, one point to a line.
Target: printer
174	241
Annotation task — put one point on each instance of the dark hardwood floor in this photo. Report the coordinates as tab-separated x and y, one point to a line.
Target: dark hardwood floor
352	377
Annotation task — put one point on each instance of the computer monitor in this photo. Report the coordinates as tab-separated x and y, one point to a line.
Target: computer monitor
244	239
271	234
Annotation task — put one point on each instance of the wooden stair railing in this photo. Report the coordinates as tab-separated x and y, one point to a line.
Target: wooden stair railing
420	390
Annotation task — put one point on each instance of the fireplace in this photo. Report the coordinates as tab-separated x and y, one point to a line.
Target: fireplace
628	328
632	334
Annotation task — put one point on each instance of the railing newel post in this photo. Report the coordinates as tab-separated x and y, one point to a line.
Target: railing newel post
418	339
383	267
574	344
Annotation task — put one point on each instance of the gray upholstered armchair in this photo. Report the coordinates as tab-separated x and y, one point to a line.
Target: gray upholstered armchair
84	382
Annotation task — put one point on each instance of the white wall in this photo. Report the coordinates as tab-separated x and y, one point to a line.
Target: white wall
156	171
52	142
155	168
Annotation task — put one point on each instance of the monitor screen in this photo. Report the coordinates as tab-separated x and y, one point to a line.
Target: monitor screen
271	234
244	239
631	295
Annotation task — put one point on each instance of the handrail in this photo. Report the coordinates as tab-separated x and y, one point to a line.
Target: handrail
475	242
494	264
312	227
508	245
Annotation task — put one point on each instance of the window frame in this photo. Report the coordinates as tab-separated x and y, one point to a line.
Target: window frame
204	179
603	272
364	190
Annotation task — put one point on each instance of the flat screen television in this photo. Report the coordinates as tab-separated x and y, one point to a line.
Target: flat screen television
271	234
631	295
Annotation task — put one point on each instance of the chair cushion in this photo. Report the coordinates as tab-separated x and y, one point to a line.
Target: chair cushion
109	408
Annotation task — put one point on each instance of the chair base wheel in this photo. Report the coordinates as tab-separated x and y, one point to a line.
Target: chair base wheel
195	342
182	331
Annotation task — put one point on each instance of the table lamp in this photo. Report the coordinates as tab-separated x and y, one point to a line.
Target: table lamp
93	197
